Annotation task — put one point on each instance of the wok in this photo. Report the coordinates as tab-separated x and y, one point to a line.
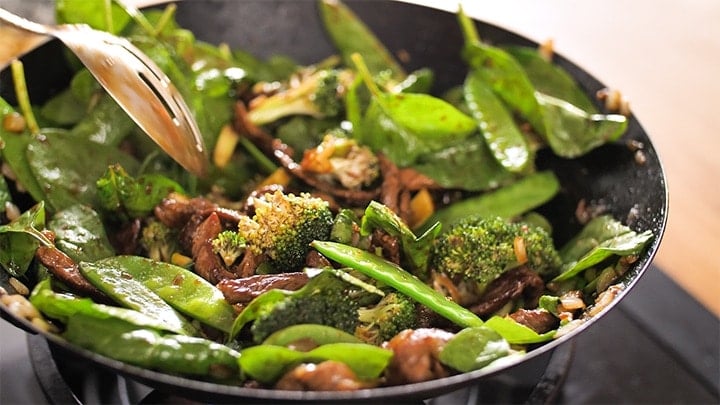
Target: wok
632	191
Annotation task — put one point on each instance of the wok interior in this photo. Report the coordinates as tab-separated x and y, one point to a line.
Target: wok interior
609	176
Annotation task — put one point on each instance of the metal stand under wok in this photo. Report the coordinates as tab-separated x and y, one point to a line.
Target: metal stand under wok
66	382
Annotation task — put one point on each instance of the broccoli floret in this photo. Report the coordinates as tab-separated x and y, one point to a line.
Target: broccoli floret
481	249
283	227
229	245
394	313
318	94
159	240
326	300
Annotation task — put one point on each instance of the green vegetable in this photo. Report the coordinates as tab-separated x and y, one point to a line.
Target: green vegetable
182	289
80	233
229	245
158	240
391	275
327	299
350	35
516	333
20	239
267	363
317	95
283	226
174	354
106	123
505	140
319	334
122	287
63	306
600	239
480	249
135	197
394	313
473	348
509	201
416	249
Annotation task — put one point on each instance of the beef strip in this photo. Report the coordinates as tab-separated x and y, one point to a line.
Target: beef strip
539	320
68	272
207	263
244	290
416	356
514	283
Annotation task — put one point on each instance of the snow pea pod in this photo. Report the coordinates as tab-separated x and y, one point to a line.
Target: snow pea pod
473	348
503	137
511	200
267	363
516	333
125	290
176	354
392	275
351	35
63	306
79	233
184	290
319	334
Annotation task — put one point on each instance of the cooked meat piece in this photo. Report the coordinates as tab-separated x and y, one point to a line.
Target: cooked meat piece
316	260
126	240
390	245
67	271
207	263
397	185
512	284
243	290
175	210
539	320
249	262
415	357
325	376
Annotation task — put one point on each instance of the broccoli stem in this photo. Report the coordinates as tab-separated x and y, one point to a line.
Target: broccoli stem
390	274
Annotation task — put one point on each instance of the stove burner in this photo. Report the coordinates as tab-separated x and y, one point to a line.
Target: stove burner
67	382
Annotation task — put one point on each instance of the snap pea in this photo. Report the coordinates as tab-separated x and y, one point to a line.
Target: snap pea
184	290
62	306
319	334
123	341
267	363
350	35
511	200
80	233
125	290
473	348
503	137
392	275
516	333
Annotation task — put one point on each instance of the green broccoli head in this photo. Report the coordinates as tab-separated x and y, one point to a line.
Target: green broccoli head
159	240
229	245
283	227
317	93
394	313
325	300
481	249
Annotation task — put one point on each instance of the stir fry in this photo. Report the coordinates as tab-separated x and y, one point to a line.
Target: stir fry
352	223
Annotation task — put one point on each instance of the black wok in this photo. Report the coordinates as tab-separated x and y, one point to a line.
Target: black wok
611	176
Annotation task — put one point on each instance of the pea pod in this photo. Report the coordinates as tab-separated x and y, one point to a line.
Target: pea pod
473	348
267	363
350	35
392	275
175	354
503	137
125	290
516	333
79	233
320	334
182	289
514	199
62	306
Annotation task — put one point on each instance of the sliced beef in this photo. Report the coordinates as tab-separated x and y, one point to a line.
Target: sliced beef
244	290
67	271
325	376
513	284
416	356
539	320
207	263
